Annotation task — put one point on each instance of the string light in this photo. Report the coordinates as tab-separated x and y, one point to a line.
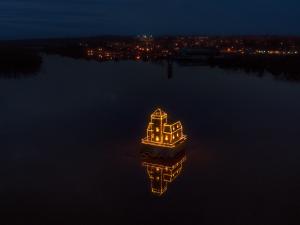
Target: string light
161	175
162	134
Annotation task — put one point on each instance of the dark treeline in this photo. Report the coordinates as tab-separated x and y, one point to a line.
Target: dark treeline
16	62
281	67
70	50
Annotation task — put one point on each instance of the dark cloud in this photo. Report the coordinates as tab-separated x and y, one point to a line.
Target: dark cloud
43	18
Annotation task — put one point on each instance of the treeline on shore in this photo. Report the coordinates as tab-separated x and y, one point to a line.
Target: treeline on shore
18	62
70	50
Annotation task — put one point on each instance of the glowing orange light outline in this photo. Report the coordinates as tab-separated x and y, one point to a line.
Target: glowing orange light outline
175	129
167	174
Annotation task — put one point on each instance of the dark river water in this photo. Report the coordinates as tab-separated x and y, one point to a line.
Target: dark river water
70	140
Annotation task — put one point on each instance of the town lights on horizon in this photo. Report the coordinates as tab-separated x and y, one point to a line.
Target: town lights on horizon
162	134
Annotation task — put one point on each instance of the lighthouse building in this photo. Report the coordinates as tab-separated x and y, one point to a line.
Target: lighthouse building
160	133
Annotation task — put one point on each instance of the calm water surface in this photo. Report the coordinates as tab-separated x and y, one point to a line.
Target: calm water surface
70	139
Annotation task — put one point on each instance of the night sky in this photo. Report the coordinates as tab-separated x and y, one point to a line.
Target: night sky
57	18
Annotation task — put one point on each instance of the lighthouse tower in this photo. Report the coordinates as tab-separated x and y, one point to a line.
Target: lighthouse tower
155	127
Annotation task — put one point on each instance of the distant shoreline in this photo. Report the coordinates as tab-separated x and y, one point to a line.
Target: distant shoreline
278	55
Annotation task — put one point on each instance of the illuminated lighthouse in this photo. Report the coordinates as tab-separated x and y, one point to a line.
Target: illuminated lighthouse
162	134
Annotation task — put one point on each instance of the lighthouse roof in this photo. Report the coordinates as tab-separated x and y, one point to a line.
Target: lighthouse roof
159	113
